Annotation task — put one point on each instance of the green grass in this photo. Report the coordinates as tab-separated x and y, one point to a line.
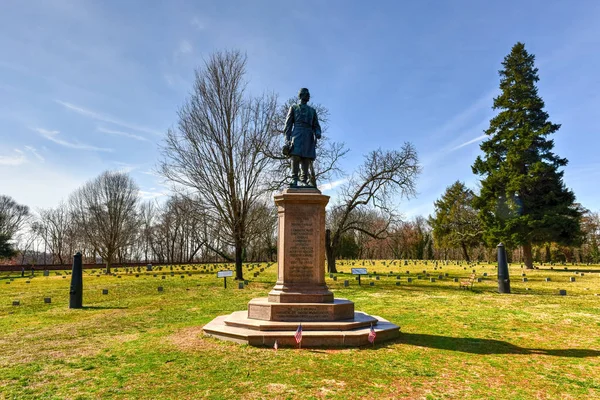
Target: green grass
138	343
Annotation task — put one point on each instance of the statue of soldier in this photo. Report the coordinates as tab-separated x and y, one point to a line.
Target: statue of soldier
301	132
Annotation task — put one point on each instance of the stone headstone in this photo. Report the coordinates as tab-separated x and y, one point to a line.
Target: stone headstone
572	279
562	292
160	289
409	280
455	279
46	272
16	303
371	283
547	279
240	285
431	279
164	277
377	277
524	279
47	300
346	283
104	291
335	278
397	283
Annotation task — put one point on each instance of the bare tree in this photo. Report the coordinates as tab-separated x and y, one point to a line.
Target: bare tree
217	149
106	210
383	175
13	216
55	228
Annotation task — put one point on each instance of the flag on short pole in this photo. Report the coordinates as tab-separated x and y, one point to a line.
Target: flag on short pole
372	335
275	346
298	334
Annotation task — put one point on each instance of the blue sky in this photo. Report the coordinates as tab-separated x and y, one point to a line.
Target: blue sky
87	86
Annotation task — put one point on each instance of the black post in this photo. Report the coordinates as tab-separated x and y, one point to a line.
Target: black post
225	282
76	298
503	278
358	279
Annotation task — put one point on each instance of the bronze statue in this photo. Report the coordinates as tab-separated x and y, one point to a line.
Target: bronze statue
301	132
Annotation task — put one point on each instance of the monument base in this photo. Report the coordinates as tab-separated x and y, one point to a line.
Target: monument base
237	327
266	310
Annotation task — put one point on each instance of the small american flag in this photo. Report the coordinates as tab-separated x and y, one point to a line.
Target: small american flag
275	346
298	334
372	335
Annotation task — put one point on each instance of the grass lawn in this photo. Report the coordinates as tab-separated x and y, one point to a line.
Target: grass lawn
137	342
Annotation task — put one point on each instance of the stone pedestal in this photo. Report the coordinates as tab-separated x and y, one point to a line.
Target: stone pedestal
300	295
301	248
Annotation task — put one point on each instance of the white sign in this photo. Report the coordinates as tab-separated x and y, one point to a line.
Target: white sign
359	271
223	274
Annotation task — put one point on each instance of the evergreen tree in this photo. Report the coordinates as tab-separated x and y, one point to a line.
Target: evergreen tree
6	250
455	222
523	199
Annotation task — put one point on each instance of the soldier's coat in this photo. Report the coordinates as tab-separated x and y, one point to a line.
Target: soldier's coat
302	130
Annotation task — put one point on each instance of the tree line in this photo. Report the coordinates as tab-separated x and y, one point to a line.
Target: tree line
223	159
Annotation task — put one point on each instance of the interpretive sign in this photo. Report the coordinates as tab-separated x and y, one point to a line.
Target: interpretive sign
224	275
359	272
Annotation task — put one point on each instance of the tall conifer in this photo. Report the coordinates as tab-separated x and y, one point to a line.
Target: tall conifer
523	200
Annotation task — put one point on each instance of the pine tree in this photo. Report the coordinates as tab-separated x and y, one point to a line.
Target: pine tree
455	222
523	199
6	250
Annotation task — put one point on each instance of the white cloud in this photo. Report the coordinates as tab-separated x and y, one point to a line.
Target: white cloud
477	139
13	160
105	118
331	185
33	151
52	136
185	47
120	133
125	167
198	23
149	195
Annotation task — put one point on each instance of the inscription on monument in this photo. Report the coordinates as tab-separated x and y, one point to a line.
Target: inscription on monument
301	313
302	247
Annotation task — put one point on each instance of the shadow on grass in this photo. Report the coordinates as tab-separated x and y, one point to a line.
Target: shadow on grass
486	346
102	308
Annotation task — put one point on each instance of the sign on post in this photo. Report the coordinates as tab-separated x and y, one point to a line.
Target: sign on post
359	272
224	275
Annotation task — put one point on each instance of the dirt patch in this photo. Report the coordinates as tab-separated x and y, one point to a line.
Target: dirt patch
190	339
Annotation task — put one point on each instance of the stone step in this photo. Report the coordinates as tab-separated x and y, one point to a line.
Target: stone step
384	329
240	319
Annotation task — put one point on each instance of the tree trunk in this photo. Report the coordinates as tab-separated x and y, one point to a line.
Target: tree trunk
465	252
548	254
329	252
527	257
239	274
